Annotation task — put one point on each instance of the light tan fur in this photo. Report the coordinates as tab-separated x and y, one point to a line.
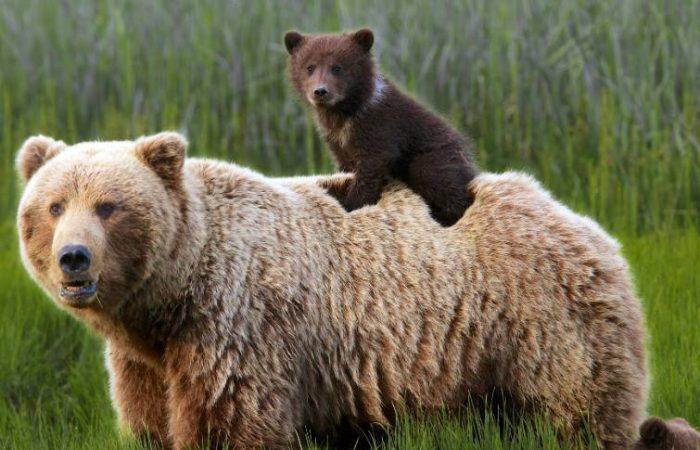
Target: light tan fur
261	306
341	136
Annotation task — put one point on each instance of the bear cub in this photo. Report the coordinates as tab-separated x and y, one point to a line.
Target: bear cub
376	131
674	434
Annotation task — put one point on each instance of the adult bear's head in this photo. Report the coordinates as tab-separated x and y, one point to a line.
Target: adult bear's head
96	218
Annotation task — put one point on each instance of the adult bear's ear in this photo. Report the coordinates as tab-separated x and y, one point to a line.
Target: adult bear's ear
293	40
653	432
34	153
364	38
164	153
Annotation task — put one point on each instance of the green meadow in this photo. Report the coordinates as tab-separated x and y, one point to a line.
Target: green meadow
598	100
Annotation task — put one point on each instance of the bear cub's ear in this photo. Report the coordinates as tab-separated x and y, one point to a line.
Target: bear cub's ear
653	431
164	153
34	153
364	38
293	40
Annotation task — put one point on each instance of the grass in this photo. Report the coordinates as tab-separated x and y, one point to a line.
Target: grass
599	100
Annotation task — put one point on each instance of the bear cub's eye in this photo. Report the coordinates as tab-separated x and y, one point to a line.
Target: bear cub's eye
104	210
56	209
336	69
310	69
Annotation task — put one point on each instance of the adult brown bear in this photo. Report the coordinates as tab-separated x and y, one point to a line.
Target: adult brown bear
242	308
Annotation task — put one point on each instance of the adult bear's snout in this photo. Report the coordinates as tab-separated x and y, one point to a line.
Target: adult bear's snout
74	259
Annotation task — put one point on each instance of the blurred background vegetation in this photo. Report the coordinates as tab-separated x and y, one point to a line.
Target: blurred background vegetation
599	100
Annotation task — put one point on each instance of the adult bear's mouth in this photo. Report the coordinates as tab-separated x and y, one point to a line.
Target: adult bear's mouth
78	293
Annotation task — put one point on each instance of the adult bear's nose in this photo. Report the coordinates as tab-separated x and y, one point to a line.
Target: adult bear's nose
74	258
320	91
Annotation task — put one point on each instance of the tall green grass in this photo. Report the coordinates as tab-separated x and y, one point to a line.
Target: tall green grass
599	100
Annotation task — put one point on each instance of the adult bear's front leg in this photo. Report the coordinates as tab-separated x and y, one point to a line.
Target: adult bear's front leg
139	395
210	404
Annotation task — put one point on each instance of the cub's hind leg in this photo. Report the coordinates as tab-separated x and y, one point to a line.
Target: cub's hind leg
443	184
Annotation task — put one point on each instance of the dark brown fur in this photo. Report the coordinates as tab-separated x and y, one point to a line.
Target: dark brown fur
674	434
376	131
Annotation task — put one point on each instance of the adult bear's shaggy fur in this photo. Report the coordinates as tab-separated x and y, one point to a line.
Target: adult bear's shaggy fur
270	308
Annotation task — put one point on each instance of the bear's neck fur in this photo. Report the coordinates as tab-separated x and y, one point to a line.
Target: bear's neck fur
364	95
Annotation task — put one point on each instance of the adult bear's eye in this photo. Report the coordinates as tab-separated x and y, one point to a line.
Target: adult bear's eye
336	69
310	69
56	209
104	210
